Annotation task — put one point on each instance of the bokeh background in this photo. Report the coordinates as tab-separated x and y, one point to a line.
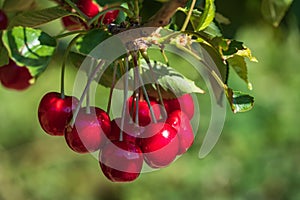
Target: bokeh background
257	156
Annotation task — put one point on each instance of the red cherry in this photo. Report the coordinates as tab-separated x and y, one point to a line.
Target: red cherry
15	77
72	23
3	20
180	122
110	16
87	134
130	131
121	161
144	111
88	7
159	144
184	103
55	113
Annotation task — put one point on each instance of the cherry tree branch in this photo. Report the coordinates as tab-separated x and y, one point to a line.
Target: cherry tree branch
164	15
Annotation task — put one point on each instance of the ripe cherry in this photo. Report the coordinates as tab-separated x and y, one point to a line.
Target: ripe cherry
110	16
72	23
130	131
184	103
88	7
87	134
180	122
121	161
55	113
144	114
3	20
15	77
159	144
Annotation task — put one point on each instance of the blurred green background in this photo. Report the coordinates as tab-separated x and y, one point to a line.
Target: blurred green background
257	156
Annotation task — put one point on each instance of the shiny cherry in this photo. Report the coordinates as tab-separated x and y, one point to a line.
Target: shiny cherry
88	132
55	113
121	161
15	77
3	20
109	17
144	114
181	123
88	7
184	103
159	144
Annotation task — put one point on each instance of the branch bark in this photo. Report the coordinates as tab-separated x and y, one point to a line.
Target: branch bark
164	15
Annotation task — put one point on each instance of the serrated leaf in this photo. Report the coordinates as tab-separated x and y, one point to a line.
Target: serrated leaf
274	10
38	17
29	47
239	101
92	39
207	16
18	5
4	58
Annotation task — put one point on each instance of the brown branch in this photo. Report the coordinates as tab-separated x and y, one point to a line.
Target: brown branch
164	15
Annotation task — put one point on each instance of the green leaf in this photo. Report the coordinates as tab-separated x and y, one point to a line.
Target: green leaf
29	47
39	17
92	39
239	65
274	10
18	5
4	58
207	16
239	101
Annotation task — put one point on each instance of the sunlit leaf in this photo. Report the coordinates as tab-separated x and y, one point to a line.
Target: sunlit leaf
239	101
207	16
29	47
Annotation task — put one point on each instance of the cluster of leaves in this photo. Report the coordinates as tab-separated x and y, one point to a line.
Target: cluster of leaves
29	46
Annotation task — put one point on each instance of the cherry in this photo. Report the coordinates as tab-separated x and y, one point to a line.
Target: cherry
55	113
184	103
121	161
15	77
87	134
159	144
3	20
88	7
130	131
144	114
180	122
72	23
110	16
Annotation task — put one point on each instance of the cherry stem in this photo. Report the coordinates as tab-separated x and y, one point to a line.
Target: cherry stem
125	98
143	87
163	53
146	57
137	10
69	33
88	109
90	79
74	6
63	66
137	94
112	87
187	19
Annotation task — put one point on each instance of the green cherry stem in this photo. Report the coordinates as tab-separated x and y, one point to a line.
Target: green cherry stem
188	17
88	108
63	66
90	79
112	86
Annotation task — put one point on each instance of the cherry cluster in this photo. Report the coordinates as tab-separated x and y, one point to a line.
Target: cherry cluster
90	9
123	143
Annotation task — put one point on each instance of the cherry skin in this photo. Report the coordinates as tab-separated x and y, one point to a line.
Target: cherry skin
88	132
159	144
88	7
180	122
121	161
110	16
15	77
55	113
184	103
3	20
144	114
72	23
130	131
